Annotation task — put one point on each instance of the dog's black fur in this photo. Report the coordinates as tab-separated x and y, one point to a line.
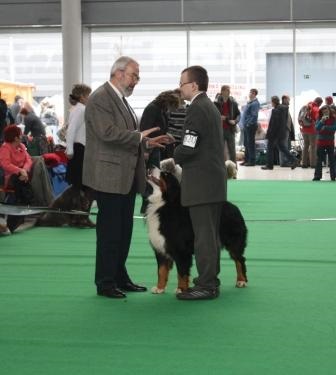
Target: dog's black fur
168	220
70	199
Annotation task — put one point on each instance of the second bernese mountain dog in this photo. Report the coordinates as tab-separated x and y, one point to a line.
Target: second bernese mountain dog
171	234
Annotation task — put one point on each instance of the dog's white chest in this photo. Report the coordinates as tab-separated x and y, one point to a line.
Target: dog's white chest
153	225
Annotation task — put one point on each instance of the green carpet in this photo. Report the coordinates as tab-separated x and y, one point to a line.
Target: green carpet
51	321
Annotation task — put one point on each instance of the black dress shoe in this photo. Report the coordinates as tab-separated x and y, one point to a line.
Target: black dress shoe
265	167
130	287
193	294
111	293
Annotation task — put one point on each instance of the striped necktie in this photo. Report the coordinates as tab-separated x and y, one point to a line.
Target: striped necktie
130	110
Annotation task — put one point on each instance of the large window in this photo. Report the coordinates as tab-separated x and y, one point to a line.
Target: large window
269	59
239	58
33	57
161	55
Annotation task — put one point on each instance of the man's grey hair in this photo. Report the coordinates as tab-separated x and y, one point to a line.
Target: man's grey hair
121	64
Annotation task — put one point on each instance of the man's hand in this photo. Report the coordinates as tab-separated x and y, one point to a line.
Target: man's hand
232	122
159	141
145	133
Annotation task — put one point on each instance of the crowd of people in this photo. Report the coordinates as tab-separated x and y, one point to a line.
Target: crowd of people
108	152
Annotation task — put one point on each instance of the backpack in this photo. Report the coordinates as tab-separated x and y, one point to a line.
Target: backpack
304	117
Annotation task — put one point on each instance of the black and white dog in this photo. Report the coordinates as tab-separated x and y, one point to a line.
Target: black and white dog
171	234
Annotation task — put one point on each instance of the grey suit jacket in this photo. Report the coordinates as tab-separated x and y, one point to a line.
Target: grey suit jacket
201	154
113	157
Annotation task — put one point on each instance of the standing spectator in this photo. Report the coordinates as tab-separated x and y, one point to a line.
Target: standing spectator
325	142
230	115
15	109
75	139
329	100
156	115
309	135
290	131
38	145
75	146
250	128
5	117
277	134
176	120
203	186
114	167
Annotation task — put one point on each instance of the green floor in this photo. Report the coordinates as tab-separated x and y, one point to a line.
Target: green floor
51	321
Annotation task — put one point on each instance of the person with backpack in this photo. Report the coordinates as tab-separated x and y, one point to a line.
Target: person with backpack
307	118
325	141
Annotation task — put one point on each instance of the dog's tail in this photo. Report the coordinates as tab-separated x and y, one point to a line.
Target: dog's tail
233	230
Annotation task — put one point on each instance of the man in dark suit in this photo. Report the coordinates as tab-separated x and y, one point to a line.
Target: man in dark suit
204	179
277	134
114	167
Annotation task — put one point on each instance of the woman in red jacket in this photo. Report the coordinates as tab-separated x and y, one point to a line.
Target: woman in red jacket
309	135
17	164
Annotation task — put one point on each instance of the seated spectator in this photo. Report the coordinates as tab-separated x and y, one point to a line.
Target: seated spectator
17	164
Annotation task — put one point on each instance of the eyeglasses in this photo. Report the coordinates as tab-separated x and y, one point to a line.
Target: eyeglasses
134	76
184	83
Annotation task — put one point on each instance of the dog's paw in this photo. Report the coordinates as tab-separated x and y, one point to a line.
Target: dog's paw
241	284
178	290
168	165
156	290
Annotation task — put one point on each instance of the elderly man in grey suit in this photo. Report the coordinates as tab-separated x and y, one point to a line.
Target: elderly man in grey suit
204	179
114	167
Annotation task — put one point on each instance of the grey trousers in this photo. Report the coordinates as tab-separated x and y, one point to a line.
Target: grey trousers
205	221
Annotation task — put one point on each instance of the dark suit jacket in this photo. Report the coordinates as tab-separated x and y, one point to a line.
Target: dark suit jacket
277	124
113	156
203	170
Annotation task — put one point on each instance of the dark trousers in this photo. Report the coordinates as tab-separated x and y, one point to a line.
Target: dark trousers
230	143
321	152
249	143
75	166
205	221
114	232
282	145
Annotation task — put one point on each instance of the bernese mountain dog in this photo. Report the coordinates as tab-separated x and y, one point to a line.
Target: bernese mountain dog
170	230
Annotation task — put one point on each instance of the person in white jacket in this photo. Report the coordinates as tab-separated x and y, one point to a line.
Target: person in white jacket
75	136
75	147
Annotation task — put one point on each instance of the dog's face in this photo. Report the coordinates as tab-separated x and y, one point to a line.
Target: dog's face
165	184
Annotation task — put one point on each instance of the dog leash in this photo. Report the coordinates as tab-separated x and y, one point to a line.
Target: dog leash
16	210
